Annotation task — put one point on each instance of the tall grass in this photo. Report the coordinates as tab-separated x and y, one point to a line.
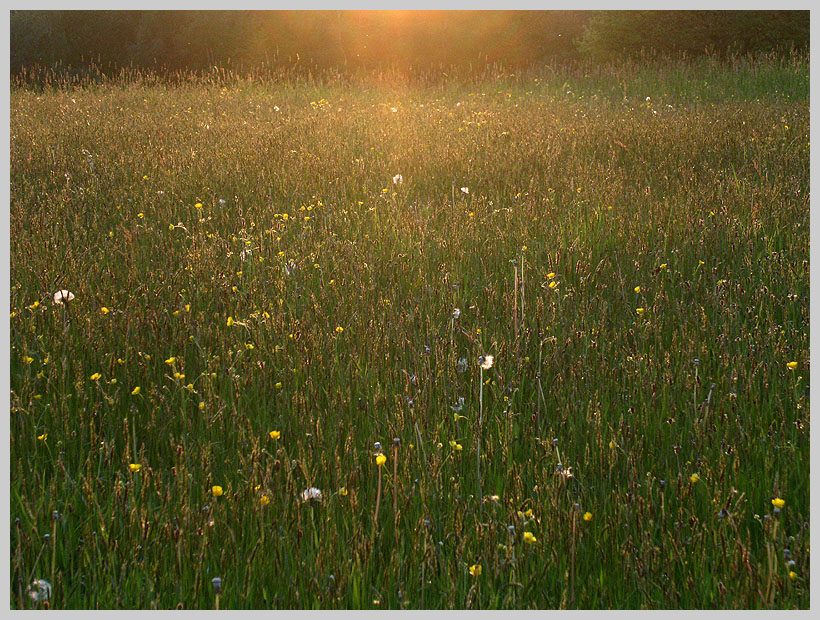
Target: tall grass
251	231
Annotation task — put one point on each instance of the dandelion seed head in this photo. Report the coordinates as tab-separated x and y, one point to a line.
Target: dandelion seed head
60	297
312	494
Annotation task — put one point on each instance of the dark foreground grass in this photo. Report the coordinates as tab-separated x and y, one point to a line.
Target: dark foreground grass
257	303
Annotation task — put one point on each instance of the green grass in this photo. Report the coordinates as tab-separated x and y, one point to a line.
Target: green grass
689	180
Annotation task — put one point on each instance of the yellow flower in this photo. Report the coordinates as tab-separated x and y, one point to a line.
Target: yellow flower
339	329
216	491
475	570
42	437
28	360
134	467
529	538
343	491
640	311
229	321
662	266
637	289
791	365
198	205
275	434
140	215
170	360
264	500
278	384
792	575
778	503
587	516
96	376
694	478
201	406
381	459
135	391
187	307
553	284
104	310
550	275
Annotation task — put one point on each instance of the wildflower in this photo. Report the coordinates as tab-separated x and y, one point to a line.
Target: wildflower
778	503
42	437
398	179
529	538
135	391
640	311
662	266
550	275
791	365
96	376
230	321
134	467
637	289
275	434
486	361
170	361
694	478
339	329
312	494
456	313
198	205
39	591
28	359
792	575
264	500
278	385
381	459
216	491
465	190
587	516
140	215
343	491
475	570
201	406
62	296
553	284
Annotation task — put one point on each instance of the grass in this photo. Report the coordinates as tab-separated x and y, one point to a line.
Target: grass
633	251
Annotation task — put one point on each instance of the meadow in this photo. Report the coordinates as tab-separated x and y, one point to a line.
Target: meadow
535	340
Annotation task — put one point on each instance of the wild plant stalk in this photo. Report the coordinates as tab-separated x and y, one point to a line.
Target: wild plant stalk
522	289
378	501
478	442
396	490
515	298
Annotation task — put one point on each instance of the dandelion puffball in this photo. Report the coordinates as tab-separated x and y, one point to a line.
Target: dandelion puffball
466	190
39	590
63	296
312	494
398	179
486	361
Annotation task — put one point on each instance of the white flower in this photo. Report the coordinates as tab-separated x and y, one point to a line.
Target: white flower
276	108
486	361
393	110
39	590
398	179
222	202
456	313
312	494
466	190
63	295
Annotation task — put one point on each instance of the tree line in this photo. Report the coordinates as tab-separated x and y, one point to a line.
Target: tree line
413	40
